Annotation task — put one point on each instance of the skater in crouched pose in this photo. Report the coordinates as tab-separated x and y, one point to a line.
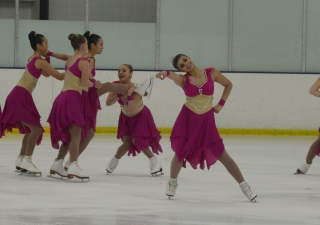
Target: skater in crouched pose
314	149
195	138
20	110
136	127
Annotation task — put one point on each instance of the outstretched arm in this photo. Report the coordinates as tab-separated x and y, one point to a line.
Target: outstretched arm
111	99
60	56
177	79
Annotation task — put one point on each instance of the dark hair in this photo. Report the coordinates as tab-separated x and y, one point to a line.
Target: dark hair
176	59
76	40
91	38
35	39
129	67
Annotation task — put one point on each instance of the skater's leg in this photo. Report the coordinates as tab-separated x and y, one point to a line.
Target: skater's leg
32	138
124	148
231	166
110	87
24	144
84	144
75	134
175	167
313	151
64	148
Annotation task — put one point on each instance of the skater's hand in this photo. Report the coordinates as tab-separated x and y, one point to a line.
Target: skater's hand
162	75
217	108
132	89
98	84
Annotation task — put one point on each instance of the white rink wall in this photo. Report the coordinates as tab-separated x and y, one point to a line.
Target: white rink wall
259	101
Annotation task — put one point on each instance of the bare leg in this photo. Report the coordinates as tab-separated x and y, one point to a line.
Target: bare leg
146	151
63	151
313	151
84	144
124	148
110	87
75	133
231	166
24	144
32	138
175	167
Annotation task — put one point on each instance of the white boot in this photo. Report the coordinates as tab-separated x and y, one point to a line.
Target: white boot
155	166
247	191
112	164
57	167
303	169
142	88
67	165
28	165
19	161
172	186
75	171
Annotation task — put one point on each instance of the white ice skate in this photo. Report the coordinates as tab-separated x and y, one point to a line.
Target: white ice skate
67	165
172	186
155	167
303	169
18	163
247	191
142	88
112	165
75	171
57	168
28	168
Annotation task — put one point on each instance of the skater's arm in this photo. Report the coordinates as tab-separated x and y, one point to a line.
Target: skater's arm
111	99
85	73
49	70
226	83
133	104
60	56
177	79
314	90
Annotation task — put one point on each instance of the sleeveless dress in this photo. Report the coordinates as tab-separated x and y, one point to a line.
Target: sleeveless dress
67	108
139	126
195	138
19	106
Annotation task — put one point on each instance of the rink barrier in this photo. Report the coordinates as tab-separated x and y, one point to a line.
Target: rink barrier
222	131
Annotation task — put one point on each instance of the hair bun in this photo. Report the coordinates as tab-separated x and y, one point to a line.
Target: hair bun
87	34
32	35
72	37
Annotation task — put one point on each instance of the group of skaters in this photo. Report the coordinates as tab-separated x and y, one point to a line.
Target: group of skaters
194	138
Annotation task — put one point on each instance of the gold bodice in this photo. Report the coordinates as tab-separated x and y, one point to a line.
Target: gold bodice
199	104
126	111
71	82
28	81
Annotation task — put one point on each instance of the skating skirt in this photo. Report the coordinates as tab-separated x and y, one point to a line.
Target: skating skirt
94	104
195	139
66	112
86	111
142	128
19	107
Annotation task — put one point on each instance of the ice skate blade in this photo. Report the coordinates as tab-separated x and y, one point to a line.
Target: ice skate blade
52	172
299	172
57	178
157	174
81	179
29	174
254	199
170	196
108	172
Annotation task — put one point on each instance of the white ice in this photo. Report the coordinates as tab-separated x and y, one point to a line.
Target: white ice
131	196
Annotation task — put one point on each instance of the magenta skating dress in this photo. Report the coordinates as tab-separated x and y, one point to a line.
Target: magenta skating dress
90	105
67	108
139	126
19	106
194	136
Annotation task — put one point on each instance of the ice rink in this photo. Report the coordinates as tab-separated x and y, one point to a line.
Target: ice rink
131	196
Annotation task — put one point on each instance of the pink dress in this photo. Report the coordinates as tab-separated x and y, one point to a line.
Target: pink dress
67	109
140	127
195	138
90	104
19	106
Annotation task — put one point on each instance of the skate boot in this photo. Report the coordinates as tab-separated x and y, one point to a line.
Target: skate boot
75	171
57	168
303	169
112	165
172	186
142	88
28	166
67	165
247	191
155	167
18	162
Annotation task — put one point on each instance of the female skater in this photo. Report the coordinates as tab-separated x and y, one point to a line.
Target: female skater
90	101
195	137
20	111
136	127
315	147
